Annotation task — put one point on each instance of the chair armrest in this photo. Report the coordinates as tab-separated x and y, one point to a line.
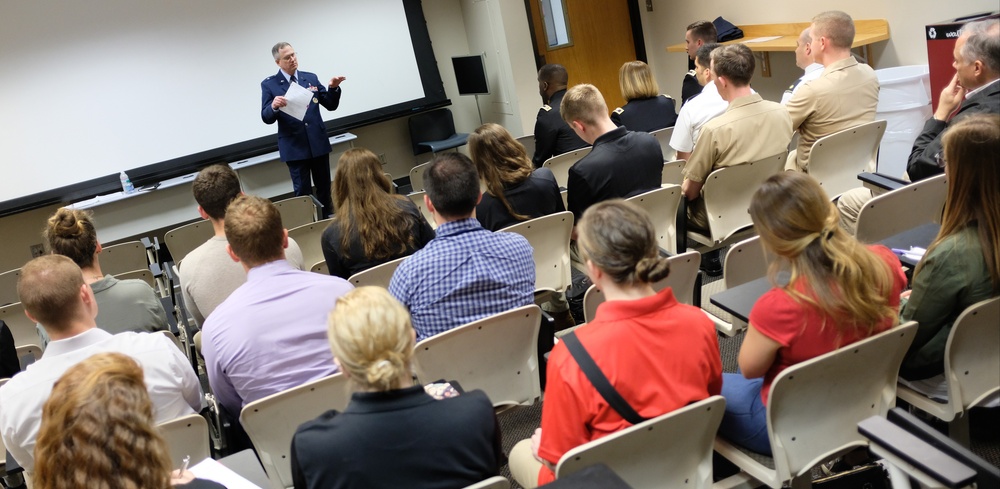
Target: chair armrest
989	475
546	340
916	452
320	213
680	224
168	306
882	181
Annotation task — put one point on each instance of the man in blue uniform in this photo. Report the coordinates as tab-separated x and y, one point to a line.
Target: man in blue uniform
302	144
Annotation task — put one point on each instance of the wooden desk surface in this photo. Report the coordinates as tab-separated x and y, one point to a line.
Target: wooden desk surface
866	32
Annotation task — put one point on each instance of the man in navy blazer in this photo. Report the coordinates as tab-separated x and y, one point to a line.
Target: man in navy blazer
303	145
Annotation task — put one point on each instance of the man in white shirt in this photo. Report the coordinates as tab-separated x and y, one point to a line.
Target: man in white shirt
803	59
702	108
53	293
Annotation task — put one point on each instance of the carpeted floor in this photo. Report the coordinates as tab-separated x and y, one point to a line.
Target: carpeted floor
520	423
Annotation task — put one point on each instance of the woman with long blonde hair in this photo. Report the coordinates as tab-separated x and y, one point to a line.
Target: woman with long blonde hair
962	265
371	225
645	109
393	433
839	291
97	431
515	191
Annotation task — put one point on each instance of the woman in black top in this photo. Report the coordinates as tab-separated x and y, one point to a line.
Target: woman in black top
371	225
515	191
646	110
392	434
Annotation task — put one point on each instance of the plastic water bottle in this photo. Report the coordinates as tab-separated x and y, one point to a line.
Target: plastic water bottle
127	186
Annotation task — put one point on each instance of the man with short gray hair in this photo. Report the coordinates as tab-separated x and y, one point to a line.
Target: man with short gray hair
975	89
302	143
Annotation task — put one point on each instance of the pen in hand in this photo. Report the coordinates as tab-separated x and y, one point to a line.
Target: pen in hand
184	466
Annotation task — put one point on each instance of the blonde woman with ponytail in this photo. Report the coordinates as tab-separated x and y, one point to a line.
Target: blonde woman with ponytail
392	433
658	354
839	292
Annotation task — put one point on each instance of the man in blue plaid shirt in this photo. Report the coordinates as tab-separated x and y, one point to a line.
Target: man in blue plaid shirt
466	272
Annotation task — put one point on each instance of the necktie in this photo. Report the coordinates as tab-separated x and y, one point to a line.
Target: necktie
293	79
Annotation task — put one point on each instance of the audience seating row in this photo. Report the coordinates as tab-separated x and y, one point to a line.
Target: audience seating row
497	354
812	410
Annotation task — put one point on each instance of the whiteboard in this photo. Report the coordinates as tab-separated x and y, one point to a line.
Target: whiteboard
93	88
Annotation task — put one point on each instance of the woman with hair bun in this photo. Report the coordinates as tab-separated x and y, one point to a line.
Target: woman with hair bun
97	427
392	434
839	292
123	305
658	354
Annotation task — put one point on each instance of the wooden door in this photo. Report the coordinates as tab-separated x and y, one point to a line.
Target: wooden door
600	42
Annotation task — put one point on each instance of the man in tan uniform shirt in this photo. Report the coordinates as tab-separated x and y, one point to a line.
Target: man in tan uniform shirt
844	96
749	130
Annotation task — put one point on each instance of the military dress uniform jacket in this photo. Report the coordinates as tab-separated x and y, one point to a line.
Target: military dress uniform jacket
646	114
553	136
299	140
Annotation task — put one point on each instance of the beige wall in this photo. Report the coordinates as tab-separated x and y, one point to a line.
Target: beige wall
500	30
665	26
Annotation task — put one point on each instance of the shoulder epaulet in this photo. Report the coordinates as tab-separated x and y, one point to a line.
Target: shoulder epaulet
668	97
268	78
691	73
546	107
619	110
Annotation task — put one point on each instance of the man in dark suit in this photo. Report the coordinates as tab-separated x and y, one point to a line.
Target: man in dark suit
975	89
303	144
552	136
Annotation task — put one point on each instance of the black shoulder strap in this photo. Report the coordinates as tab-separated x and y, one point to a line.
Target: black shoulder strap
599	380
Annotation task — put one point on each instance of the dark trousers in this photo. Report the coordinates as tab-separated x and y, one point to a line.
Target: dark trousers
319	168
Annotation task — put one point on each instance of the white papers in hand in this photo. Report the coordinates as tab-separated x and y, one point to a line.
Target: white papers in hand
761	39
212	470
298	99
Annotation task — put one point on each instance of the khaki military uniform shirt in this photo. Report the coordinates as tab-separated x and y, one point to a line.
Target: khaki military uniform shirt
751	129
844	96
